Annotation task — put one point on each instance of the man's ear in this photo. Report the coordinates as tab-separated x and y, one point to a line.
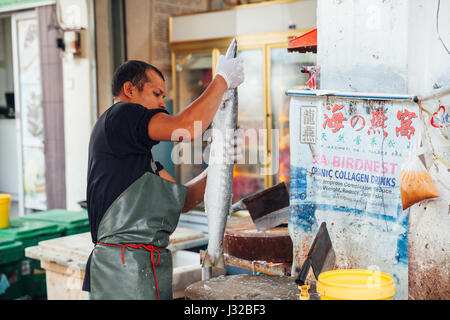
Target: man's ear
128	89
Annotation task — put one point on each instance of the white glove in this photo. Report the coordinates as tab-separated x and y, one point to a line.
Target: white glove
232	70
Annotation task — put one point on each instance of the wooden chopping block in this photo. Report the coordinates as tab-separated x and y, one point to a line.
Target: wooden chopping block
242	240
244	287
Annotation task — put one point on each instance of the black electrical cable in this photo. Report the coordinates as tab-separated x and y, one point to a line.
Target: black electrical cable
437	26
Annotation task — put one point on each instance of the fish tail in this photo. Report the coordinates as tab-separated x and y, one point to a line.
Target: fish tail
209	262
221	262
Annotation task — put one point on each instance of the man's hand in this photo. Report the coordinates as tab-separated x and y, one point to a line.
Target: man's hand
231	69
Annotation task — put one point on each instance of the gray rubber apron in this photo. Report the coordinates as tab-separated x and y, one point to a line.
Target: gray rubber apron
129	261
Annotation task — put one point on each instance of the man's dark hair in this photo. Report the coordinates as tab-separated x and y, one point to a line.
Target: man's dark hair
134	71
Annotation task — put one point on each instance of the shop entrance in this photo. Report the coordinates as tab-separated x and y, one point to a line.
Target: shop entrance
31	111
22	129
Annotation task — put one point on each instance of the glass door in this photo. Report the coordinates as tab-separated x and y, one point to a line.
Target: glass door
284	73
248	176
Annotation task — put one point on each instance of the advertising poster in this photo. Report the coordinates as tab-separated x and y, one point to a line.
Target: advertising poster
346	156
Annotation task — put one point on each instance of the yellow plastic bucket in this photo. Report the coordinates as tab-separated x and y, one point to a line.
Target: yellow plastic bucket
354	284
5	200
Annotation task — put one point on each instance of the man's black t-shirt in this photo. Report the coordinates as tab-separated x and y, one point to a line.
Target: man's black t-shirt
119	154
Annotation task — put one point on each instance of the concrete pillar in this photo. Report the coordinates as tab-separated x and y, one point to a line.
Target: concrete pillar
387	46
428	74
79	104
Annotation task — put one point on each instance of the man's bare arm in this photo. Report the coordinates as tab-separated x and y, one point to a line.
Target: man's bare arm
196	189
162	126
229	75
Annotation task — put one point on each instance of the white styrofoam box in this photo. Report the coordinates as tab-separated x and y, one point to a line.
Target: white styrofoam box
187	269
196	220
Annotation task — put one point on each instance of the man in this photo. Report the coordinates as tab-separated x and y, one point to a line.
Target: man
133	203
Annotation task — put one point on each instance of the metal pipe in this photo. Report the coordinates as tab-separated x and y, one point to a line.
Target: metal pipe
434	94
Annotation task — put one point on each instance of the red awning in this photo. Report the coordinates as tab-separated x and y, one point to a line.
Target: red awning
304	43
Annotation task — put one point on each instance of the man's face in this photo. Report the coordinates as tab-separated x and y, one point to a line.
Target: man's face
153	93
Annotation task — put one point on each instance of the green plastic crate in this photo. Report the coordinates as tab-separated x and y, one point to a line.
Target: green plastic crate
13	272
10	266
10	250
72	222
35	285
30	233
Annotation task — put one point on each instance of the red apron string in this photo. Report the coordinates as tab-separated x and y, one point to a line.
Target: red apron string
149	248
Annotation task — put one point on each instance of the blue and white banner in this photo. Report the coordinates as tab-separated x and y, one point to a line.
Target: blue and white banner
346	156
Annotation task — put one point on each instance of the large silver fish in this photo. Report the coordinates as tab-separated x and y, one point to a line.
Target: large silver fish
219	185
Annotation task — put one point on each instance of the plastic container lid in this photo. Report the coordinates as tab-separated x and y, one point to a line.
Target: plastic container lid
356	285
4	198
10	250
68	219
5	240
20	229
